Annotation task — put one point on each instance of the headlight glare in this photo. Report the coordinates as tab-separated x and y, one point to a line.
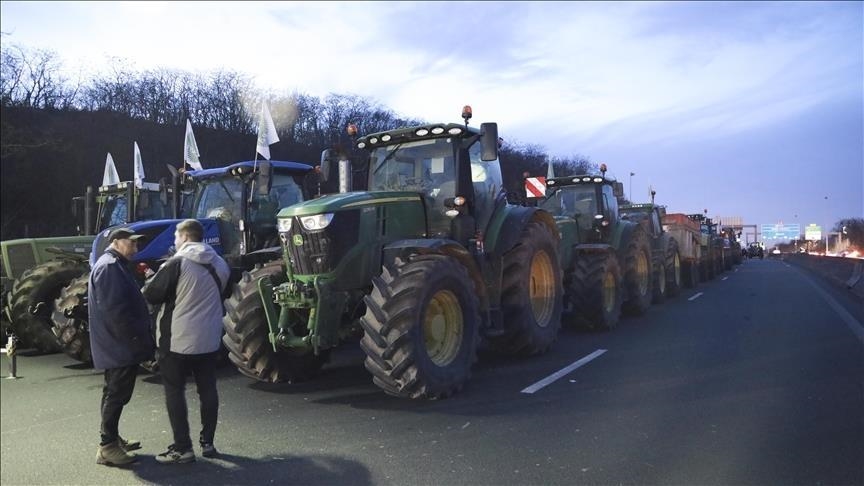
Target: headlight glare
317	222
285	225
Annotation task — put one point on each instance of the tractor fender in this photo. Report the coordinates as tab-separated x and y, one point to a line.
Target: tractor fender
402	249
505	228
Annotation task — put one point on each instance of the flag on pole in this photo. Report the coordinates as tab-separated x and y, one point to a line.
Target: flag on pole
110	176
191	155
550	171
266	132
139	168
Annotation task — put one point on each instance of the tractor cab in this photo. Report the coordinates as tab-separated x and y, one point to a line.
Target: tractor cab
648	215
589	199
120	203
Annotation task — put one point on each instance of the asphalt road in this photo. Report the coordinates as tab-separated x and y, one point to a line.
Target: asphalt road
756	377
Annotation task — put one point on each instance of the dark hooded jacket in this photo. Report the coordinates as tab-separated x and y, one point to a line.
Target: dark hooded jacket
120	331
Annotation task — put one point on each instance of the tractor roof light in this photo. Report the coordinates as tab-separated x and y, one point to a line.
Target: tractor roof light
421	132
586	179
373	140
437	130
467	113
550	182
454	131
361	145
386	137
459	201
598	179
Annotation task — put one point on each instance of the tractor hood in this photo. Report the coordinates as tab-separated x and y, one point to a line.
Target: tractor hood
348	200
158	238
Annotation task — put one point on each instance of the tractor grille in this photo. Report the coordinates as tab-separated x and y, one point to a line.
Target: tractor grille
322	250
20	258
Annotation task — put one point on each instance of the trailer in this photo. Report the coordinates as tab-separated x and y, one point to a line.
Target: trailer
689	237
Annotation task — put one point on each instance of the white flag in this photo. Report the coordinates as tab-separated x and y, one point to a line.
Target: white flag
139	168
550	172
266	132
191	155
110	176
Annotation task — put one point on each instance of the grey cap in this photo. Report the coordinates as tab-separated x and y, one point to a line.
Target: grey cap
124	233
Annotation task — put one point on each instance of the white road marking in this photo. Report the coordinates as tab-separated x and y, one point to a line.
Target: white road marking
851	322
724	278
558	374
695	296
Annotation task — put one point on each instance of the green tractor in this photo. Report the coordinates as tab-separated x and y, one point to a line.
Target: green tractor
425	263
606	259
665	256
713	262
36	269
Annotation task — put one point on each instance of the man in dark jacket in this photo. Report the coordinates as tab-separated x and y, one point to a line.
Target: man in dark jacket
189	287
120	338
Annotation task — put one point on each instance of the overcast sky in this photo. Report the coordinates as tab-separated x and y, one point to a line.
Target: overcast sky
746	109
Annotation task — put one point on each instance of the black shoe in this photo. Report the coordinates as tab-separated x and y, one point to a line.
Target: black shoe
174	456
208	449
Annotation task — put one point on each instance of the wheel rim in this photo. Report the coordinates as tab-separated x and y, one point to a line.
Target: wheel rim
661	280
542	288
676	268
609	290
642	273
443	326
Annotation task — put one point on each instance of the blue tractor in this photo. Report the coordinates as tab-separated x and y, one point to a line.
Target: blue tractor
237	206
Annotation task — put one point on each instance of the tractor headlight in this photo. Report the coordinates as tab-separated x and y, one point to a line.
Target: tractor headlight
285	225
317	222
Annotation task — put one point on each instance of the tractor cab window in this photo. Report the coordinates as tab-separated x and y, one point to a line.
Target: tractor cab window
113	211
419	166
610	204
486	177
578	202
222	199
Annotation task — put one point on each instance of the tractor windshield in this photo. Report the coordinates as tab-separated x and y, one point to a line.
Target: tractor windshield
576	201
421	166
220	199
113	208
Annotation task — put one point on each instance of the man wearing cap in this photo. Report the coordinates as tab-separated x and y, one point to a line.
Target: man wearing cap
120	338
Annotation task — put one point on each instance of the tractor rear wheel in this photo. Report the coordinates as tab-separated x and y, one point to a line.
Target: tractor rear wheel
659	292
531	294
673	270
36	290
421	327
595	290
70	320
246	335
637	274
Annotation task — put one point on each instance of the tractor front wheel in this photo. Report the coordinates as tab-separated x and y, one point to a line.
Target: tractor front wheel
673	270
421	327
595	290
70	320
531	294
246	335
32	302
637	274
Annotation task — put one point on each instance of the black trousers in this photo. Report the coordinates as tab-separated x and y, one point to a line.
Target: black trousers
119	385
175	368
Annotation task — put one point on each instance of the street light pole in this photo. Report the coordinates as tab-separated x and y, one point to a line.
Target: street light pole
631	186
827	227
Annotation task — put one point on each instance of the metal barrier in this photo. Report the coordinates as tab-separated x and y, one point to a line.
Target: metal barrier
11	352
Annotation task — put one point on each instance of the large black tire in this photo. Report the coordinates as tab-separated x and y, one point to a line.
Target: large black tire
70	320
531	295
37	289
246	335
691	274
595	290
421	327
658	285
673	270
637	274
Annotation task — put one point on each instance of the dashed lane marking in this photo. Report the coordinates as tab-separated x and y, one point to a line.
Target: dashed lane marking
562	372
699	294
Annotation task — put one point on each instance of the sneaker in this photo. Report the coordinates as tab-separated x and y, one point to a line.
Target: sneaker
129	445
174	456
208	449
113	454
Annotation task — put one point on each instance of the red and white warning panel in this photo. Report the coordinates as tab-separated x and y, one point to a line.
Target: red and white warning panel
535	186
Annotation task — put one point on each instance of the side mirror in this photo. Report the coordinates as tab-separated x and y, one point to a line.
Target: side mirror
327	158
265	179
618	189
489	141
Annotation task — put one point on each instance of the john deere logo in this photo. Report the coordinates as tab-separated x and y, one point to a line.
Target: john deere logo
298	240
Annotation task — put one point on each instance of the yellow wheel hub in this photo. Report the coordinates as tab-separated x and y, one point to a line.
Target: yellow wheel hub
443	326
542	288
642	272
609	291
